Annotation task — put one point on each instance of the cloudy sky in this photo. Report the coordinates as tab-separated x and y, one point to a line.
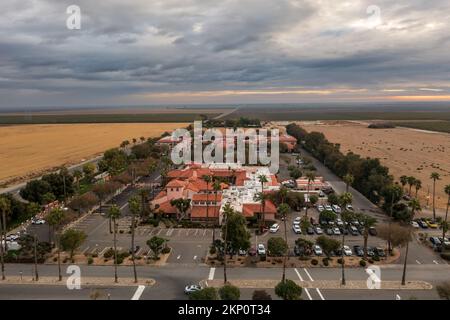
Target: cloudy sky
223	51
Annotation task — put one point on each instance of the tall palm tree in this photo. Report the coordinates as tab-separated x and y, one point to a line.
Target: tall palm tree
5	208
217	188
403	181
435	176
54	219
447	191
367	222
311	177
283	193
227	211
411	181
417	186
346	218
263	179
414	205
135	208
113	214
207	179
348	179
261	198
283	210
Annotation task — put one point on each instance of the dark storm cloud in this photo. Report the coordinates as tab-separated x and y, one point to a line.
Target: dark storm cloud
137	48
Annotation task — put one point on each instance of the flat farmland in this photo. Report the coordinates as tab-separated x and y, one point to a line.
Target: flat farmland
405	151
29	150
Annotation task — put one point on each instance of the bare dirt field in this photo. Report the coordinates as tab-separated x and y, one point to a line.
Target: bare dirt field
27	150
405	151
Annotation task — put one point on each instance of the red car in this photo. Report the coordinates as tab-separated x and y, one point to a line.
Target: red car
252	252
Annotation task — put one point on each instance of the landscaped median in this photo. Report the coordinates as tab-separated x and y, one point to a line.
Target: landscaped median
321	284
85	281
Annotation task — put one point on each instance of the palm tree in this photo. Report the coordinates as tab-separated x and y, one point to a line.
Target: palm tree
283	193
77	174
435	176
208	180
414	205
217	188
113	214
227	211
311	177
403	181
411	181
5	207
418	186
283	210
346	218
263	179
367	222
134	205
54	219
348	179
261	198
447	191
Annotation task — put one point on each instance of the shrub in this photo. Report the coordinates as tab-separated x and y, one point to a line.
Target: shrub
362	263
55	259
370	261
376	258
340	260
229	292
65	260
109	253
120	231
165	250
213	250
90	260
288	290
325	262
261	295
314	262
95	255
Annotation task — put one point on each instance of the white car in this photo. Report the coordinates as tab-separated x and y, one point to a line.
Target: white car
261	250
274	228
336	231
317	250
336	208
414	224
320	208
297	229
12	237
297	221
339	222
328	207
192	288
347	250
38	221
349	207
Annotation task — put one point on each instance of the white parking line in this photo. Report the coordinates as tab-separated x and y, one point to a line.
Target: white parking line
307	293
122	207
179	256
204	232
298	274
435	262
211	273
196	232
169	232
397	297
103	251
85	250
138	293
195	257
307	273
158	232
320	294
418	262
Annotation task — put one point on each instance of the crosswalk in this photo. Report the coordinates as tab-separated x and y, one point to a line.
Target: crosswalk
148	231
311	293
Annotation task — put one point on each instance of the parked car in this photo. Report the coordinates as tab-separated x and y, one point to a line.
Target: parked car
38	221
310	230
373	231
261	249
422	224
320	208
336	208
274	228
329	231
297	229
318	230
322	194
192	288
317	250
349	207
252	252
353	231
435	241
339	222
355	223
136	249
347	250
370	251
432	224
343	230
336	231
380	252
242	252
297	221
414	224
358	250
328	207
445	242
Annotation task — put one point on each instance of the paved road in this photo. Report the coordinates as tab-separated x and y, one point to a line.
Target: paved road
170	281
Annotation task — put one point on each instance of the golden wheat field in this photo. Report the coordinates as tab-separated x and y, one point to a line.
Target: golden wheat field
28	150
405	151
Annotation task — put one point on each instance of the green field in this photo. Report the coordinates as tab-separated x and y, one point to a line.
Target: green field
440	126
102	118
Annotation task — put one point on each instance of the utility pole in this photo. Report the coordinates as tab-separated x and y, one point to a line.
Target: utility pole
36	274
